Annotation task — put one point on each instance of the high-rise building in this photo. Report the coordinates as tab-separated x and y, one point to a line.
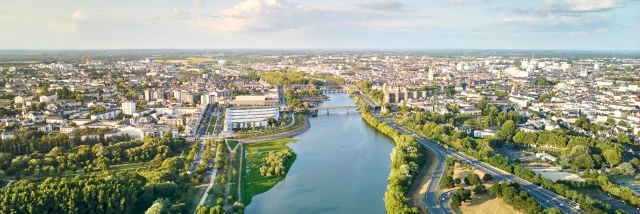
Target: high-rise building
596	66
128	108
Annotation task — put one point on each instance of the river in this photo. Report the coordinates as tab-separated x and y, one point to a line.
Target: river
342	166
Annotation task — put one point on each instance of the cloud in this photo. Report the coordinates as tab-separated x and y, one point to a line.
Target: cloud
198	2
79	14
602	30
569	24
463	2
179	12
63	26
383	6
280	15
582	5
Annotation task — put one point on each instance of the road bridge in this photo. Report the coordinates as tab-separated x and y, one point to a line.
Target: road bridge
326	108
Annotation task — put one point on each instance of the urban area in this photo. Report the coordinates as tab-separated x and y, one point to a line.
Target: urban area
186	131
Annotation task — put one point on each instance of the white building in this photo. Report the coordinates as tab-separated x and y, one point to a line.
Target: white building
247	117
128	108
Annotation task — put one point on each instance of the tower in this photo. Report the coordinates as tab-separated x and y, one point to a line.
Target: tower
432	69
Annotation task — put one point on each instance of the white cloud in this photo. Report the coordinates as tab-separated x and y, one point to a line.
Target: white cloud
602	30
384	5
63	26
554	20
179	12
79	14
556	23
463	2
280	15
583	5
198	2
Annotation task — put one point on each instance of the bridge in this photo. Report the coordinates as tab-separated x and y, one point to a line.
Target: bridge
327	108
334	89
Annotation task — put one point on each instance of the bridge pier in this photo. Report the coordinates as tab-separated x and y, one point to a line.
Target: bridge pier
327	111
347	110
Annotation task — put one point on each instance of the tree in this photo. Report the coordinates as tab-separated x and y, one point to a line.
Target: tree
622	123
627	169
553	210
447	182
457	181
635	162
159	207
479	189
472	179
487	177
509	130
623	138
173	163
613	157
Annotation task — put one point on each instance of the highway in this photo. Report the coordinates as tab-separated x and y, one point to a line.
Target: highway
545	197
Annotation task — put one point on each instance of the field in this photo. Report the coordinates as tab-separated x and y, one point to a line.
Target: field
252	182
461	172
483	204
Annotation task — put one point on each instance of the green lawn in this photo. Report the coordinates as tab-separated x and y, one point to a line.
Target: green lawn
252	182
232	143
233	191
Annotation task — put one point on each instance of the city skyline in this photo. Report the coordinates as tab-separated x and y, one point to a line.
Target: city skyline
307	24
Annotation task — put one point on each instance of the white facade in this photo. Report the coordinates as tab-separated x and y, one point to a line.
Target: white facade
128	108
249	117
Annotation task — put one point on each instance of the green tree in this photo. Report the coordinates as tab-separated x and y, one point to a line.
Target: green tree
613	157
447	182
472	179
487	177
160	206
508	130
635	162
479	189
627	169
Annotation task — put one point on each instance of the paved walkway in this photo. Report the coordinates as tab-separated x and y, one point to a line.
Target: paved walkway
211	181
306	126
11	181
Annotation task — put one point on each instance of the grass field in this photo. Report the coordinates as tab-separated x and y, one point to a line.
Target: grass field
252	182
484	204
233	191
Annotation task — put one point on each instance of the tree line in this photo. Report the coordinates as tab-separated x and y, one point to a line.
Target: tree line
407	158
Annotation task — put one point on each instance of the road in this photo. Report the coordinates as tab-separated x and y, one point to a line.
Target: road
203	130
444	201
545	197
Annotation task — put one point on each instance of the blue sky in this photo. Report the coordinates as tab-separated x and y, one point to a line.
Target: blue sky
321	24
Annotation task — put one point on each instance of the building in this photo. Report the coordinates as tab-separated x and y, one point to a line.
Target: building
208	99
248	117
128	108
432	70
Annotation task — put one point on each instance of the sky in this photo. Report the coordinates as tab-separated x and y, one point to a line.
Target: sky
321	24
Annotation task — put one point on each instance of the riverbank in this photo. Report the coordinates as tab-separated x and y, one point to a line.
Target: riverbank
299	130
253	183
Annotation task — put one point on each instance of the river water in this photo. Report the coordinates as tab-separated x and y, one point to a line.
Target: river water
342	166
